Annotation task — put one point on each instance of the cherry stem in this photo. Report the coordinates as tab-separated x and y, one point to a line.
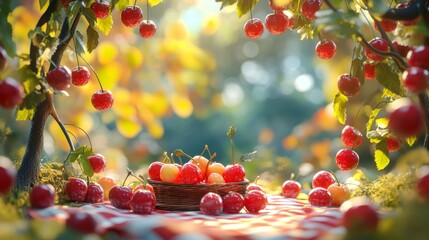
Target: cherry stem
87	136
144	180
351	64
232	150
129	172
336	179
172	157
135	2
251	14
256	180
147	10
208	164
319	35
75	51
206	147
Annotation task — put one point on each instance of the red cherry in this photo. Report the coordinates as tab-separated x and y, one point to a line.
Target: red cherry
80	76
120	196
348	85
277	23
359	218
339	194
59	78
42	196
416	79
291	24
255	201
326	49
131	16
95	193
100	9
146	186
419	57
379	44
142	202
393	144
2	58
387	24
76	189
310	7
102	100
406	121
82	222
211	204
254	186
154	170
147	29
277	6
234	173
7	179
351	137
97	162
11	93
401	49
190	174
323	179
369	70
423	187
319	197
253	28
347	159
233	202
291	189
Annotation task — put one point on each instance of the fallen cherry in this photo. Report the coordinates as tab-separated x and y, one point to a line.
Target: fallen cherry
319	197
291	189
95	193
76	189
120	196
142	202
42	196
82	222
233	202
211	204
255	201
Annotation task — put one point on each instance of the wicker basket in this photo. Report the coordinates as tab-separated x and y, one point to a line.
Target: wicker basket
186	197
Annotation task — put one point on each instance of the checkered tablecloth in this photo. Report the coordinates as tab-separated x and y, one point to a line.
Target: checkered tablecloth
282	219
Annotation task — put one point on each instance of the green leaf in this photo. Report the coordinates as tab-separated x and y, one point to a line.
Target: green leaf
374	136
231	132
371	119
80	45
92	39
388	78
340	107
90	16
411	141
381	155
6	29
154	2
226	3
83	150
28	78
344	24
247	157
105	24
42	3
245	6
28	106
357	64
86	166
120	4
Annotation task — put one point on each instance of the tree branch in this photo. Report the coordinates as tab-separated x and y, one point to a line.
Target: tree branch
424	103
409	13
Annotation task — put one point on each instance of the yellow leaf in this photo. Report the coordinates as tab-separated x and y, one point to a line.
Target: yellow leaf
105	24
181	105
340	107
381	155
123	106
154	2
128	128
134	57
155	129
109	75
382	122
107	52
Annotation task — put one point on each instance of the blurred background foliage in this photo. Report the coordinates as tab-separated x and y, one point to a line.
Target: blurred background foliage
197	76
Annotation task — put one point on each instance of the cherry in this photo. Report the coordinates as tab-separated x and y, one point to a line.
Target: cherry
42	196
291	189
277	6
379	44
131	16
201	162
388	25
291	24
102	100
154	170
100	9
326	49
393	144
107	183
179	178
423	187
169	173
401	49
254	186
347	159
277	23
310	7
369	70
351	137
76	189
2	58
97	162
80	76
147	29
190	174
143	202
419	57
416	79
406	121
82	222
11	93
234	173
254	28
348	85
7	178
255	201
95	193
120	196
216	168
319	197
215	178
323	179
339	194
59	78
211	204
146	186
359	216
233	202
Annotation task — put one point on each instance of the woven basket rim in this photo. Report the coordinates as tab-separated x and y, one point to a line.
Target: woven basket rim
198	184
